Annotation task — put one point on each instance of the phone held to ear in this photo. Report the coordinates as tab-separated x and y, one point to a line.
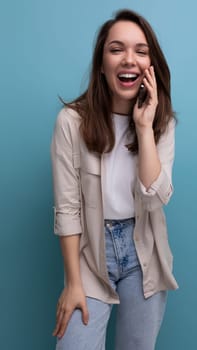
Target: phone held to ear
142	95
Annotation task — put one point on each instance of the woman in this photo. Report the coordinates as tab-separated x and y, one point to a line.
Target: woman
112	155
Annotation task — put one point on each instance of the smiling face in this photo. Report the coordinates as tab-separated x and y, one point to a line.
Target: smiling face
125	58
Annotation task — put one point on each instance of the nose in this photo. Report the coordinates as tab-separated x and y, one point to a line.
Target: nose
129	57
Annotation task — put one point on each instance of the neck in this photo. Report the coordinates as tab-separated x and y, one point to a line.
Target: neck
122	108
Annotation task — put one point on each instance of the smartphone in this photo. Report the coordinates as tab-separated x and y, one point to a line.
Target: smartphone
142	95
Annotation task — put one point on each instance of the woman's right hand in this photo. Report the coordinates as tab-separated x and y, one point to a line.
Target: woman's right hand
71	298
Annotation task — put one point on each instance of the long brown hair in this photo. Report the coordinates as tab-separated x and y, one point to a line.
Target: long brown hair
95	104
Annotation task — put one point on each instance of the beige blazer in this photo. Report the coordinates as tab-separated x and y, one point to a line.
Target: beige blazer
77	175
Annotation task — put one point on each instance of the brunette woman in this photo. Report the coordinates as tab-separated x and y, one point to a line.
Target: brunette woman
112	154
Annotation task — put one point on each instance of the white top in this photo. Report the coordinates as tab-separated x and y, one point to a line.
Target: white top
119	174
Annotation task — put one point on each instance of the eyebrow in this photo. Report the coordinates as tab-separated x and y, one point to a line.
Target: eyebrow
121	43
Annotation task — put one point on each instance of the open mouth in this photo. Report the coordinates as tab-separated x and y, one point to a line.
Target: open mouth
127	77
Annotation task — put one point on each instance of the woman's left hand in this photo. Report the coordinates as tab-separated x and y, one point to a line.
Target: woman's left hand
144	116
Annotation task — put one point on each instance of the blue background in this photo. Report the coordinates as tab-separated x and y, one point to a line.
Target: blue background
46	50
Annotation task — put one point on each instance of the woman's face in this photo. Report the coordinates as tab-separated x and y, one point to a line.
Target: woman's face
125	58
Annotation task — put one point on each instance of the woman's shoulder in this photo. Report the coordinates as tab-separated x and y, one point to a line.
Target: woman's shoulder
67	123
68	115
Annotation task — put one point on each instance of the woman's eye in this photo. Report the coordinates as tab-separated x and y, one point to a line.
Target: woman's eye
142	53
116	50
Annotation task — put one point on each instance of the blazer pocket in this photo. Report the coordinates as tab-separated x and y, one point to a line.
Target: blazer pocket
90	179
91	163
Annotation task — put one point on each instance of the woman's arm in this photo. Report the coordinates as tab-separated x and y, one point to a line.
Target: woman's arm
159	192
72	296
70	253
154	183
67	223
149	163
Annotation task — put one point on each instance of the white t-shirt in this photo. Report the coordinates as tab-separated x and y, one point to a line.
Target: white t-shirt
119	174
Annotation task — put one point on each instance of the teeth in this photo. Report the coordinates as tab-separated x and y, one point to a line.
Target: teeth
127	75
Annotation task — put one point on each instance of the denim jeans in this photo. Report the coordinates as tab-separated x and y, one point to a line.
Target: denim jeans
138	320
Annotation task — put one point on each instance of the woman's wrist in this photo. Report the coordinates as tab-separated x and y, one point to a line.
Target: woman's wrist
73	278
74	283
144	131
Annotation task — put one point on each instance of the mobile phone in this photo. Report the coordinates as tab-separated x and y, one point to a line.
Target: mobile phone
142	95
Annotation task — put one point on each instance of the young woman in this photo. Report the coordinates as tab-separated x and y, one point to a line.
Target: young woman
112	155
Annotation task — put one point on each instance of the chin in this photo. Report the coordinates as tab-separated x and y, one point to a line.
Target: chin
128	98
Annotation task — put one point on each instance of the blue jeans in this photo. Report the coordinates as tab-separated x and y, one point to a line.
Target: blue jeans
138	320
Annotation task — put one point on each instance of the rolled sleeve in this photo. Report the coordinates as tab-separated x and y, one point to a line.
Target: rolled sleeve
160	191
65	224
65	178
